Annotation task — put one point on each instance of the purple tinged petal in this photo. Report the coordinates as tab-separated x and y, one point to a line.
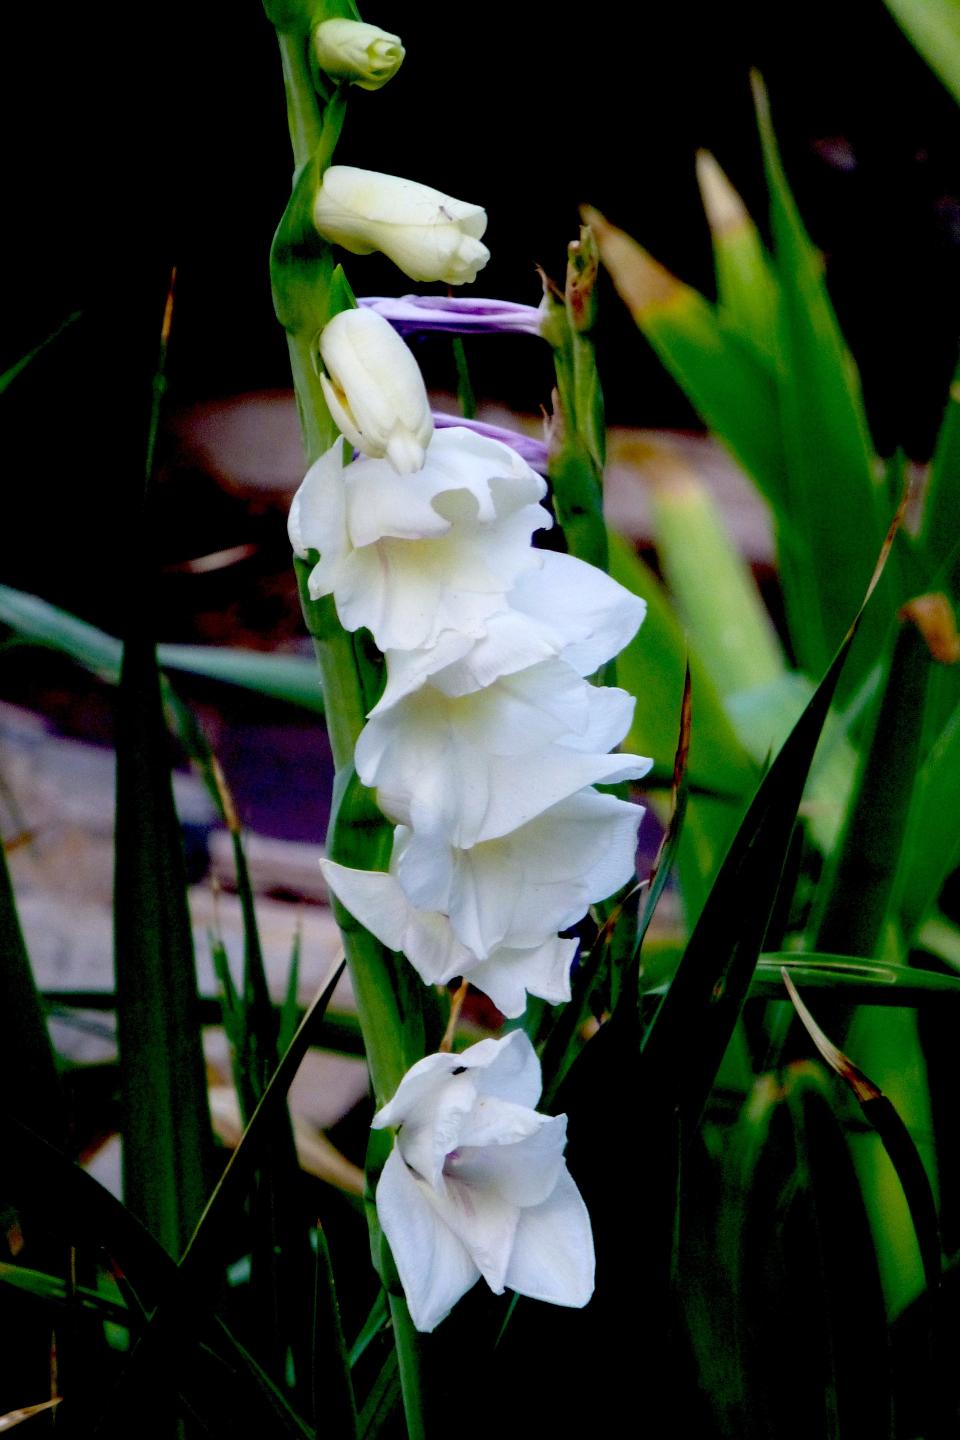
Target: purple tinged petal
527	446
455	315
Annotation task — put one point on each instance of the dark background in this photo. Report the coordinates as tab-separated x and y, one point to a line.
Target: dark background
142	137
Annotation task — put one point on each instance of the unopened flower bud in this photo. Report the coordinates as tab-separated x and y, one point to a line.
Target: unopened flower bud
363	54
429	235
374	389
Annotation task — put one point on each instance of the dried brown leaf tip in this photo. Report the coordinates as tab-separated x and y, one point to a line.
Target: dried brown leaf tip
934	617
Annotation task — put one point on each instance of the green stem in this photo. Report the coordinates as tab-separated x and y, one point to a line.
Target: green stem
409	1359
303	113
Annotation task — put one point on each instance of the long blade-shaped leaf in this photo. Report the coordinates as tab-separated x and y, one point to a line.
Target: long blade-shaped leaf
282	677
167	1138
835	525
934	28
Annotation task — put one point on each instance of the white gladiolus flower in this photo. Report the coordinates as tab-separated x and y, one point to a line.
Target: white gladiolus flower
374	389
476	1184
429	943
491	913
411	558
429	235
560	607
352	50
471	768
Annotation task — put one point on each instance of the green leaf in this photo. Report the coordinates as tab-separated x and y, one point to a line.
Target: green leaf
281	677
725	379
934	846
74	1204
167	1138
184	1297
856	893
855	979
746	286
941	507
334	1407
933	27
8	376
794	1230
652	668
832	519
94	1304
728	625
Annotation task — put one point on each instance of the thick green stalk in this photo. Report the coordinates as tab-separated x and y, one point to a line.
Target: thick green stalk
308	291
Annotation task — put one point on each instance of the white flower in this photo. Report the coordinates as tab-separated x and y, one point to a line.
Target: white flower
521	887
429	235
352	50
429	943
476	1184
491	913
374	389
561	607
473	767
411	558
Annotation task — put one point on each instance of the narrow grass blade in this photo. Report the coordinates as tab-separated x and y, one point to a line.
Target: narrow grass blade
17	369
794	1230
172	1320
854	979
93	1304
28	1071
893	1133
74	1204
167	1138
382	1400
334	1406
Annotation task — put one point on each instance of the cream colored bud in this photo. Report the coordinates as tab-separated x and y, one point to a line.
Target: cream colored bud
429	235
363	54
374	389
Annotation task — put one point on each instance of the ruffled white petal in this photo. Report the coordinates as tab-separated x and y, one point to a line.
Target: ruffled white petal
538	879
434	1266
553	1256
474	767
559	607
428	941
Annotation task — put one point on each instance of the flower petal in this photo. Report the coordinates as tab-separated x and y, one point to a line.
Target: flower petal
510	1149
483	1222
553	1257
471	768
508	976
541	878
434	1266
